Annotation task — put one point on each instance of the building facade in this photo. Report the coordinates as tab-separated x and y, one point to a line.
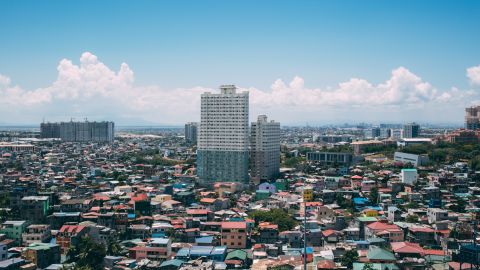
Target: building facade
472	117
330	157
191	132
411	130
415	160
222	154
265	149
79	131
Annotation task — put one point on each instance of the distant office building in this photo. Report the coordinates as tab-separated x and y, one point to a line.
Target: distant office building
411	130
372	133
330	157
411	141
390	126
396	134
360	146
265	149
415	160
385	133
463	136
472	117
50	130
334	138
222	154
79	131
191	132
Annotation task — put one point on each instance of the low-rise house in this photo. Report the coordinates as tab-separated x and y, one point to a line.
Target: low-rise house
157	249
234	234
42	254
70	235
36	233
421	235
435	215
14	229
389	232
268	233
34	208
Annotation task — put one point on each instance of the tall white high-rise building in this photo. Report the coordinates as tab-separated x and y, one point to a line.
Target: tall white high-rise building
222	153
265	149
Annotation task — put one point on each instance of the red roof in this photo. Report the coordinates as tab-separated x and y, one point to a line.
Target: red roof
72	228
381	226
234	225
434	252
327	233
197	211
422	229
407	247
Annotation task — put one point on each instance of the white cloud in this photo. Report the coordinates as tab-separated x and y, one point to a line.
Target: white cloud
473	74
92	89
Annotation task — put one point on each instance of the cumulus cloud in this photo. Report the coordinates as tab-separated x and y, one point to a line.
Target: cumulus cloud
91	88
473	74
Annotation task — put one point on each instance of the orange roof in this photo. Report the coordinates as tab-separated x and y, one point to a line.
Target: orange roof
208	200
234	225
268	225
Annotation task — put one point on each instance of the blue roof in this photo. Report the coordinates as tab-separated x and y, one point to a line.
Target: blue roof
163	241
219	250
201	250
360	200
183	252
204	240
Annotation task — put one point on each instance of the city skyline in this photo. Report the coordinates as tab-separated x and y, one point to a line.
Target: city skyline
338	63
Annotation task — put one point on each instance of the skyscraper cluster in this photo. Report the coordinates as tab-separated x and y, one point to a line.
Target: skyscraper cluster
223	140
79	131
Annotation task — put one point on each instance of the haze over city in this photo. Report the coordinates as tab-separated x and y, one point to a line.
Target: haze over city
316	63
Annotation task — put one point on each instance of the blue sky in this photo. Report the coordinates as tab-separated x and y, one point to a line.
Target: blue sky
188	44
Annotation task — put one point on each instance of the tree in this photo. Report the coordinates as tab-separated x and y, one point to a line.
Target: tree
349	258
114	248
276	216
373	196
459	207
368	266
87	253
411	218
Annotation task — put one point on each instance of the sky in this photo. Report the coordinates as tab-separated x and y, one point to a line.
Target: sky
303	62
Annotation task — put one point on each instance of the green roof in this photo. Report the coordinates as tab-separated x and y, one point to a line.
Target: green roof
376	266
40	246
380	254
409	170
174	262
237	255
367	219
